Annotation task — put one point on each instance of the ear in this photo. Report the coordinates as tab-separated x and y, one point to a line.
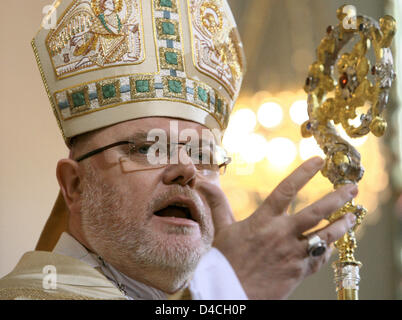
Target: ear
69	178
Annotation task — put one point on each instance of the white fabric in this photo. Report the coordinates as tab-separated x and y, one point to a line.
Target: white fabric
132	289
214	278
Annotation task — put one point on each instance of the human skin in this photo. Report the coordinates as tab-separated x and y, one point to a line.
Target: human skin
266	250
120	224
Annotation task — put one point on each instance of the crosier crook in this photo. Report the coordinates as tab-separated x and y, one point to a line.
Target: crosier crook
353	90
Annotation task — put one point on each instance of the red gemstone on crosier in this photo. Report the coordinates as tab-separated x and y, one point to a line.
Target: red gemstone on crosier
343	80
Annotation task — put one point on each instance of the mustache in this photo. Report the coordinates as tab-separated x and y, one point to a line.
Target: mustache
177	190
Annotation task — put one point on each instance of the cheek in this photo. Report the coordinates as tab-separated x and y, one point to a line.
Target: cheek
137	189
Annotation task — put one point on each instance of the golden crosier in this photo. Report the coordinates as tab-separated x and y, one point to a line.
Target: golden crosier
378	126
354	89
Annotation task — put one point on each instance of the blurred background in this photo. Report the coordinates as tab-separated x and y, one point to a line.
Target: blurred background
280	38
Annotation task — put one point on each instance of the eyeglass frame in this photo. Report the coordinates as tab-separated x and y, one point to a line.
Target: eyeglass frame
228	160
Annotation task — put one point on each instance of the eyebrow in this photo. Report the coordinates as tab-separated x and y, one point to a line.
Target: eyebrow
140	135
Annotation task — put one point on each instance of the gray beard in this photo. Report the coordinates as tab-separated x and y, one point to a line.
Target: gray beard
126	244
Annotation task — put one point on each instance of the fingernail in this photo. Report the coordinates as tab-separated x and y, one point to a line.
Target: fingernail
351	219
353	190
318	161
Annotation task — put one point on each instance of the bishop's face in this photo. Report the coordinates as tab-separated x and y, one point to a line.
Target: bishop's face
143	222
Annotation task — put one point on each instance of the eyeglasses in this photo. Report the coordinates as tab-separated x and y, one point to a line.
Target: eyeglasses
208	160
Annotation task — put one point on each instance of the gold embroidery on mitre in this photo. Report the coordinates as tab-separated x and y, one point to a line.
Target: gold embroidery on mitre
95	34
117	87
216	43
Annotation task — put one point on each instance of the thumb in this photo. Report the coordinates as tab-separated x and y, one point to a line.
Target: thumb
221	211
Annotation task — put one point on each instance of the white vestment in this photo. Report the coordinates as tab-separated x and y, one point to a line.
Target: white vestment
81	274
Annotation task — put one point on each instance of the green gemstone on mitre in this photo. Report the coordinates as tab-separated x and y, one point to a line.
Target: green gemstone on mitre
202	95
165	3
78	99
109	91
219	105
168	28
142	85
171	58
175	86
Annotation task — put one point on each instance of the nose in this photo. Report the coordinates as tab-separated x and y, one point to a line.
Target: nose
183	173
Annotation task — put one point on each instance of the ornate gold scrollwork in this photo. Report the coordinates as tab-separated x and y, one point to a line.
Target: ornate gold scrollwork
334	101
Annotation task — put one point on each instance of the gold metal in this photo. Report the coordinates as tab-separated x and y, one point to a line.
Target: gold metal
348	294
354	90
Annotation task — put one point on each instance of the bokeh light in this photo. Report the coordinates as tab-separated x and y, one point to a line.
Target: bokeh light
241	124
298	112
309	148
253	148
270	114
243	121
281	152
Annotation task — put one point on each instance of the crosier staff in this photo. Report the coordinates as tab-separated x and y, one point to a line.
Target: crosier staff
353	90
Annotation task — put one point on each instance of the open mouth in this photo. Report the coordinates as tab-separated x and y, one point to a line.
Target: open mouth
177	210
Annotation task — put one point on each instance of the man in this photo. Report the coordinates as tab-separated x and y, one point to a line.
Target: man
141	186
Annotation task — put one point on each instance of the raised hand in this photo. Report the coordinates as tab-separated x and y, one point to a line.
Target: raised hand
268	250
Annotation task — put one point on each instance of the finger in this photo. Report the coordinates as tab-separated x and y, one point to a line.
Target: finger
221	211
315	264
335	230
310	216
278	201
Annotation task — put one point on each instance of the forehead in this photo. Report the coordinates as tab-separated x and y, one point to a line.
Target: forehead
171	127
